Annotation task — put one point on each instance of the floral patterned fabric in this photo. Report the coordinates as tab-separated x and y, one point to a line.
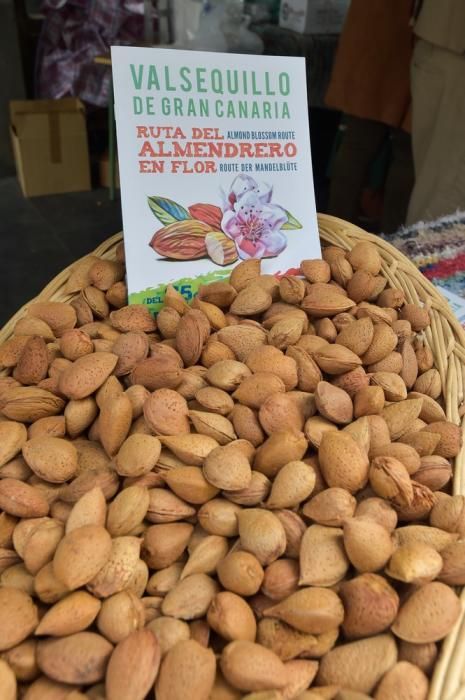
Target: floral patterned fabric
73	34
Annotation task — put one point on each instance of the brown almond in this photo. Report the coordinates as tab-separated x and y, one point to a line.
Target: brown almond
22	500
13	436
244	273
19	617
403	679
81	554
190	484
450	442
358	665
136	317
33	362
336	450
242	339
400	416
251	667
227	468
72	614
331	507
312	610
141	653
365	256
367	543
58	315
231	617
53	459
262	534
357	336
323	561
227	374
241	573
137	455
292	485
415	563
428	614
119	569
370	605
333	403
79	658
90	509
190	598
317	270
251	301
87	374
322	300
279	449
188	669
163	544
384	341
337	359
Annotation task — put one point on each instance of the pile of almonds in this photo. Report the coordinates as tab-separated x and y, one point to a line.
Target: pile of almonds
244	498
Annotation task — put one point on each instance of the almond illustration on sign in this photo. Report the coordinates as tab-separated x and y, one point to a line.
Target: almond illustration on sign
248	225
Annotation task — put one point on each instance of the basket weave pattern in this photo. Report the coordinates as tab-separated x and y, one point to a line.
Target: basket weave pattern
445	337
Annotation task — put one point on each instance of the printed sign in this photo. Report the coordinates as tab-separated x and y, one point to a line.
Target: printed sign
215	166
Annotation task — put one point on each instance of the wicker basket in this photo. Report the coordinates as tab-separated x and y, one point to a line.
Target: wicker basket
446	338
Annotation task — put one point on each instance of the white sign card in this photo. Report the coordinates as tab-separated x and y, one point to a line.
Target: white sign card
215	166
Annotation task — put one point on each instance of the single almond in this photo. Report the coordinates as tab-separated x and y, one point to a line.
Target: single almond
81	554
336	450
19	617
190	598
333	403
428	614
87	374
139	651
358	665
312	610
119	569
323	560
414	563
370	605
163	544
187	670
251	667
367	543
292	485
78	658
231	617
72	614
262	534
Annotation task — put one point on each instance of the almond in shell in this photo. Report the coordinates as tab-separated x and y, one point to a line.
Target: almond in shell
33	362
19	617
251	667
87	374
358	665
188	669
53	459
81	555
323	561
72	614
312	610
428	614
139	651
79	658
336	450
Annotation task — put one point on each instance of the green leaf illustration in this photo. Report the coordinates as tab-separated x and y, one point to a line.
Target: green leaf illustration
167	211
291	223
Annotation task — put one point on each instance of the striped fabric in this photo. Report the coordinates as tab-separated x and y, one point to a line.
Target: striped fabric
437	248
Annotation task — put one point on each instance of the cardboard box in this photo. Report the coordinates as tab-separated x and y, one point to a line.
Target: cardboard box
313	16
49	140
